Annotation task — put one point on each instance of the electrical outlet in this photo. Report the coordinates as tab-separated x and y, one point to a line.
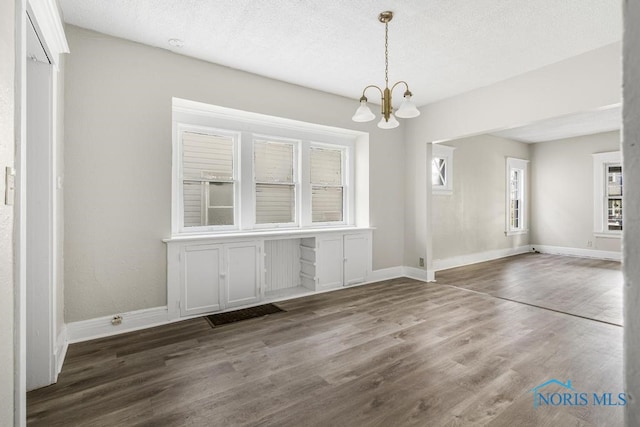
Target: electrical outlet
421	262
589	244
117	320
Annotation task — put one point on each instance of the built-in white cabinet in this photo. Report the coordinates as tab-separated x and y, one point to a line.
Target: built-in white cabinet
357	258
217	276
343	260
242	273
216	273
202	272
330	260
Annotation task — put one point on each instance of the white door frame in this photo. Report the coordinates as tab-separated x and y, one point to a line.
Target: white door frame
47	21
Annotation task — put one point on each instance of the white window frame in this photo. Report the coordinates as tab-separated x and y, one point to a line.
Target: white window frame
444	152
346	178
244	127
521	165
296	143
178	189
600	163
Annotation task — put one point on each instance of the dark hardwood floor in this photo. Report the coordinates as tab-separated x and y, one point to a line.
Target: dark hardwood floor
394	353
584	287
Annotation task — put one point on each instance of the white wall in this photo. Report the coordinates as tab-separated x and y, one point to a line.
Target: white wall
472	219
7	99
562	191
582	83
631	167
118	163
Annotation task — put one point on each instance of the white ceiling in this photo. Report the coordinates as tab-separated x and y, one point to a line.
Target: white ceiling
440	47
585	123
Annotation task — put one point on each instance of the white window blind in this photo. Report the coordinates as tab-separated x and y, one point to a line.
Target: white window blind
208	179
327	185
274	174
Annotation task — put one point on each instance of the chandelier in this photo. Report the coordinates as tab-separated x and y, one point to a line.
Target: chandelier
407	109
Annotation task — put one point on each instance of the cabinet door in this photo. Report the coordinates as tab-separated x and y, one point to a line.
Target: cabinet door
356	258
329	261
201	278
243	269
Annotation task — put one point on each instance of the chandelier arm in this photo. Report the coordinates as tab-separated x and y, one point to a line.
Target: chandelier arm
365	89
406	85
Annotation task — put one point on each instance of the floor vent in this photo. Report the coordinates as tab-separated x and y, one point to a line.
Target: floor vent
243	314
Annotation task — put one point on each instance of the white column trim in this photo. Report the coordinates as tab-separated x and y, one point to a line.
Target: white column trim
47	20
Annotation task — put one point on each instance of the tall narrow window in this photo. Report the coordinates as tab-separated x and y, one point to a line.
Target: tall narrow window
607	194
208	184
327	184
275	180
516	213
515	199
614	197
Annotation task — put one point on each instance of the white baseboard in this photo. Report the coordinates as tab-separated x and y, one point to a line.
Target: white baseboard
101	326
385	274
419	274
459	261
62	344
578	252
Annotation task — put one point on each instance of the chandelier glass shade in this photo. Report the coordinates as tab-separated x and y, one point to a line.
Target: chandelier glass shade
407	108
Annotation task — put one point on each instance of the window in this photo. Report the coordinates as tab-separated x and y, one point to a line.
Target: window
239	171
442	169
208	179
614	197
327	184
275	182
608	193
516	207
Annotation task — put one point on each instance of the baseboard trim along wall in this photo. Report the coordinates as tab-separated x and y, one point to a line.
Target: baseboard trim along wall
62	344
578	252
385	274
100	327
419	274
462	260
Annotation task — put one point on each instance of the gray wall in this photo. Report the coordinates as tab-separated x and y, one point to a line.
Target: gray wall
562	191
118	163
7	99
472	219
631	165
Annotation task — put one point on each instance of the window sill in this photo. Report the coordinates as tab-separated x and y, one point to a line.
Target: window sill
294	233
515	233
441	192
604	235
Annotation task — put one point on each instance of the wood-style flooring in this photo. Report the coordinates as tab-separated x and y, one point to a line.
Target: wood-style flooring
584	287
394	353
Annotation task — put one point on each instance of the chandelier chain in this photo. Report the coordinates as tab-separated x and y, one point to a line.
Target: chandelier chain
386	54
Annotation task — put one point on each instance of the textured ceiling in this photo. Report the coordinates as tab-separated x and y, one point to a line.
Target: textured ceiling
440	47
